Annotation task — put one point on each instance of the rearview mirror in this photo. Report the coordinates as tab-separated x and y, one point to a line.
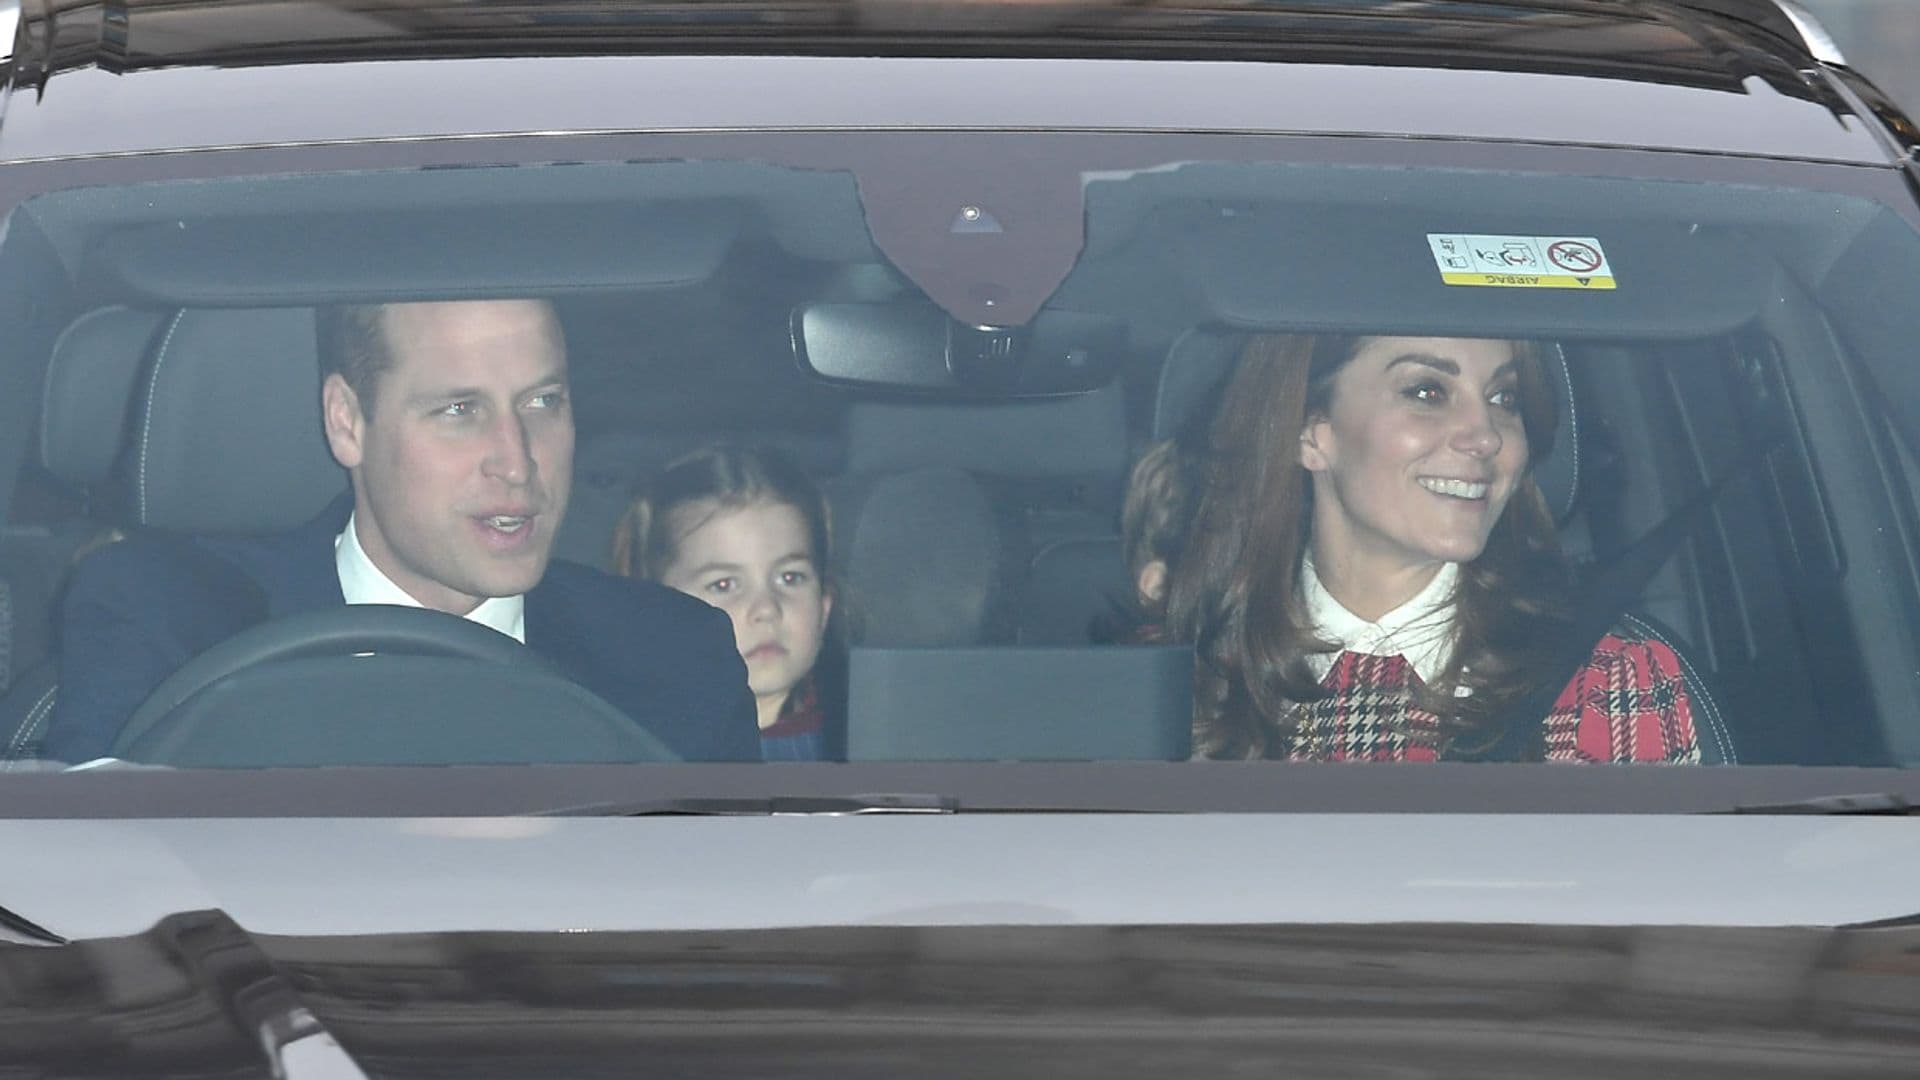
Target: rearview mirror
919	347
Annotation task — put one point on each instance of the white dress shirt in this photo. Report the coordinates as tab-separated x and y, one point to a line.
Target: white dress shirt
1421	630
361	582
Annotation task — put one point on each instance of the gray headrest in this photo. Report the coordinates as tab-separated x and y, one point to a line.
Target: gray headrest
919	556
1200	359
227	435
1080	436
1198	363
89	388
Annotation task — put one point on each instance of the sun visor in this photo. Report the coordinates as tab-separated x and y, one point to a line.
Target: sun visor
305	259
1284	268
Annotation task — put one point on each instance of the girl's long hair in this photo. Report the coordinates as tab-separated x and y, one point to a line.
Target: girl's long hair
1234	591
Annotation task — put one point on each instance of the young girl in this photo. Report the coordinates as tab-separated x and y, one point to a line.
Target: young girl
745	530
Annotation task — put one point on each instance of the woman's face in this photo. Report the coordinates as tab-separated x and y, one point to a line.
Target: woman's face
1419	451
755	563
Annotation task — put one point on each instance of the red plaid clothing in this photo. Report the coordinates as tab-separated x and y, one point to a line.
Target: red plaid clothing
1629	704
798	733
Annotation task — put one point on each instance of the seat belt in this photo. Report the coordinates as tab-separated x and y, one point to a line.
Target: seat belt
6	637
1602	603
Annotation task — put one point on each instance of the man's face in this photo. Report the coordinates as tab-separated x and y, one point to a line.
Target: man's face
462	465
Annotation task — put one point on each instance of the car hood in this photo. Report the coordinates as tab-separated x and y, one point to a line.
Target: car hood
327	877
1117	945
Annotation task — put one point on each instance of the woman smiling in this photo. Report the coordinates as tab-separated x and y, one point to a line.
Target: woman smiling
1373	575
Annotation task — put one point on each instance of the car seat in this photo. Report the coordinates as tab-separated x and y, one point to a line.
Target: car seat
198	420
1051	470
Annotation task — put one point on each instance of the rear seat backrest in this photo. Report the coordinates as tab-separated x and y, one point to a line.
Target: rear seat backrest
1075	583
1051	471
1082	437
919	557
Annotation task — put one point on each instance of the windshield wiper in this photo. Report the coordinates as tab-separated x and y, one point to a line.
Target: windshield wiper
765	806
1873	804
19	930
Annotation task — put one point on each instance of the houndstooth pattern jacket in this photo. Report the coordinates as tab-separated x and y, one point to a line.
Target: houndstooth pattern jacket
1628	704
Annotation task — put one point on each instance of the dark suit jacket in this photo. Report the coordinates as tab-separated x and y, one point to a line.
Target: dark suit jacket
137	610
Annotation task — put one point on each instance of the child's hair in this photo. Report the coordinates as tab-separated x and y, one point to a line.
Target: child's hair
1153	520
648	537
1153	529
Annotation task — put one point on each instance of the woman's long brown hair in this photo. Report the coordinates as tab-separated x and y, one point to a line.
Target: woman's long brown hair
1234	591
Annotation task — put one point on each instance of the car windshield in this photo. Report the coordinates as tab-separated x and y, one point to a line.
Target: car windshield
987	448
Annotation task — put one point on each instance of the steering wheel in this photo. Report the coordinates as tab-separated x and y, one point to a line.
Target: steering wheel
461	683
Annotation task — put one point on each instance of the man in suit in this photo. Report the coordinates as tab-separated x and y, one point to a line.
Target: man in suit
453	423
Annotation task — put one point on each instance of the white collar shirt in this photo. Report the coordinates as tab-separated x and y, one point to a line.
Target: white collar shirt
361	582
1421	630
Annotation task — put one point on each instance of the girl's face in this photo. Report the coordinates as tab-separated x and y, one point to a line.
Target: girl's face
1419	451
756	563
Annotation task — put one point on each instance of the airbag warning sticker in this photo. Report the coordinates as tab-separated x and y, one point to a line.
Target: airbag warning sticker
1522	262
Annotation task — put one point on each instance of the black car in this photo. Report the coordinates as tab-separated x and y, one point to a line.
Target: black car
1030	384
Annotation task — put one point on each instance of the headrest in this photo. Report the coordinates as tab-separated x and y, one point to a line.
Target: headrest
1197	364
1201	359
1081	436
89	388
625	458
919	555
228	435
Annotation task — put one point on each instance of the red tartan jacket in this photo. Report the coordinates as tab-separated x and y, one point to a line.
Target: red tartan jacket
1628	704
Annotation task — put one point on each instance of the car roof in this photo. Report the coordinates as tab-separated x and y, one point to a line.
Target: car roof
1627	35
1723	76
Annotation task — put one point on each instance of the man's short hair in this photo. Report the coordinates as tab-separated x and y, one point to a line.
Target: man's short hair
353	345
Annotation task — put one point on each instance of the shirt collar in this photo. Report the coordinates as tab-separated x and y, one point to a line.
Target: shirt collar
361	582
1421	630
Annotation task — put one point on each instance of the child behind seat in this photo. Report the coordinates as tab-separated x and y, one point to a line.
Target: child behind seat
746	530
1153	527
